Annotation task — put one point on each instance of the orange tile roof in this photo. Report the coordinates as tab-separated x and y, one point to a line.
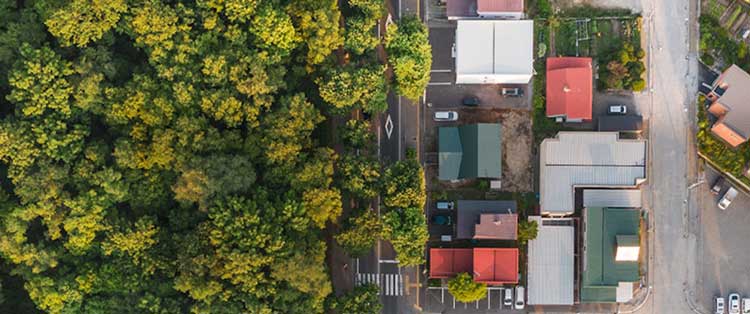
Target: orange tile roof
500	5
446	263
569	87
727	134
496	266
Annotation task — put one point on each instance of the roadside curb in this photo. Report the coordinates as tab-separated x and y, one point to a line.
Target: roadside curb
744	188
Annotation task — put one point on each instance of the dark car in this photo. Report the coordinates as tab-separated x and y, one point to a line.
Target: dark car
442	220
471	101
717	186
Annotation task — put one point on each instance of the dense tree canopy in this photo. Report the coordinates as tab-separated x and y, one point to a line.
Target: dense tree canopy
465	289
410	55
164	156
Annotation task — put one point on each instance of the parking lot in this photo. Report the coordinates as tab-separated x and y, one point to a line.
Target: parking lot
439	300
724	250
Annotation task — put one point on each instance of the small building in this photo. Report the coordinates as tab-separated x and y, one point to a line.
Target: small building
730	106
569	88
587	160
470	151
613	198
495	220
472	9
494	51
551	262
611	253
493	266
625	124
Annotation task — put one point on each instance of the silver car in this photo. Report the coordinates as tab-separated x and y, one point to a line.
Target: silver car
446	116
720	305
727	198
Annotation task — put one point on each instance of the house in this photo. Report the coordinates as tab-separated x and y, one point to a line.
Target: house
487	220
569	88
611	254
730	94
470	151
490	9
493	266
551	255
494	51
587	160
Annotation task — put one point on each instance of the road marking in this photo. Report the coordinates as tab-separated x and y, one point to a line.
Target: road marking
388	284
439	83
442	70
388	127
389	261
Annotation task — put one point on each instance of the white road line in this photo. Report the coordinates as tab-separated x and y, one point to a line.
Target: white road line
439	83
400	285
442	70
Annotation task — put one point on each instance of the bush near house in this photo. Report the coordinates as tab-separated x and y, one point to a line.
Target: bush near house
716	42
465	289
622	68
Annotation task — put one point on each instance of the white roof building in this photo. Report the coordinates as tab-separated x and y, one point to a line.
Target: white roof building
550	275
587	159
613	198
494	51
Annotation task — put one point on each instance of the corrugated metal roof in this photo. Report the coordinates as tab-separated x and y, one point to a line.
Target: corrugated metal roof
450	153
470	151
494	51
612	198
550	274
587	159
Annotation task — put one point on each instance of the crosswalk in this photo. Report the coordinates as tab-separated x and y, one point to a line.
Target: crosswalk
390	284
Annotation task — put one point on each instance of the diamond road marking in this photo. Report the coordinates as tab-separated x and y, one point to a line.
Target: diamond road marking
388	126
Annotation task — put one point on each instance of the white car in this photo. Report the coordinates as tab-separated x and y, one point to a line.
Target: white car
734	303
746	306
446	116
727	198
508	298
617	110
720	305
520	298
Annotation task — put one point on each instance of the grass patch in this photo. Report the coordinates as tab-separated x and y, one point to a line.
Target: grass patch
715	9
591	12
565	38
733	18
727	159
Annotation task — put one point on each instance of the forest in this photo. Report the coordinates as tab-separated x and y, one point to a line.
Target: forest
200	156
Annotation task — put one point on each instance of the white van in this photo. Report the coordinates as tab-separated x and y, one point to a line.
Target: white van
520	298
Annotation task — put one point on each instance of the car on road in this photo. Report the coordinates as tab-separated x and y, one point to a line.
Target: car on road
444	205
728	197
617	110
520	298
746	305
720	305
734	303
446	116
717	186
508	298
512	92
441	220
470	101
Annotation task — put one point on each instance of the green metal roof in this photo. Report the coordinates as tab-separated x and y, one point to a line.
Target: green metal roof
602	273
470	151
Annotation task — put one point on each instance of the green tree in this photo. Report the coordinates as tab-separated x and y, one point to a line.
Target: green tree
273	29
359	36
406	229
363	87
527	230
359	175
83	21
357	134
403	185
361	233
318	23
465	289
410	55
363	299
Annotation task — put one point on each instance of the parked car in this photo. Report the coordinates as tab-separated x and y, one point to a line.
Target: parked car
746	306
442	220
446	116
470	101
717	186
520	298
512	92
444	205
508	298
728	197
734	303
617	110
720	305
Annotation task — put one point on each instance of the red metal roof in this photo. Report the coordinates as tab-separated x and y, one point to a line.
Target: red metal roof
569	87
500	5
446	263
496	266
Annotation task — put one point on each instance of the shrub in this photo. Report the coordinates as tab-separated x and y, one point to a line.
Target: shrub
465	289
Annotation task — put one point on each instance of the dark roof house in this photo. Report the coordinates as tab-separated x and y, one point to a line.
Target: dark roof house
495	220
469	151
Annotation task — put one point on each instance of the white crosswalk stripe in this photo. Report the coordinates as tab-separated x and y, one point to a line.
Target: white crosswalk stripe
390	284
